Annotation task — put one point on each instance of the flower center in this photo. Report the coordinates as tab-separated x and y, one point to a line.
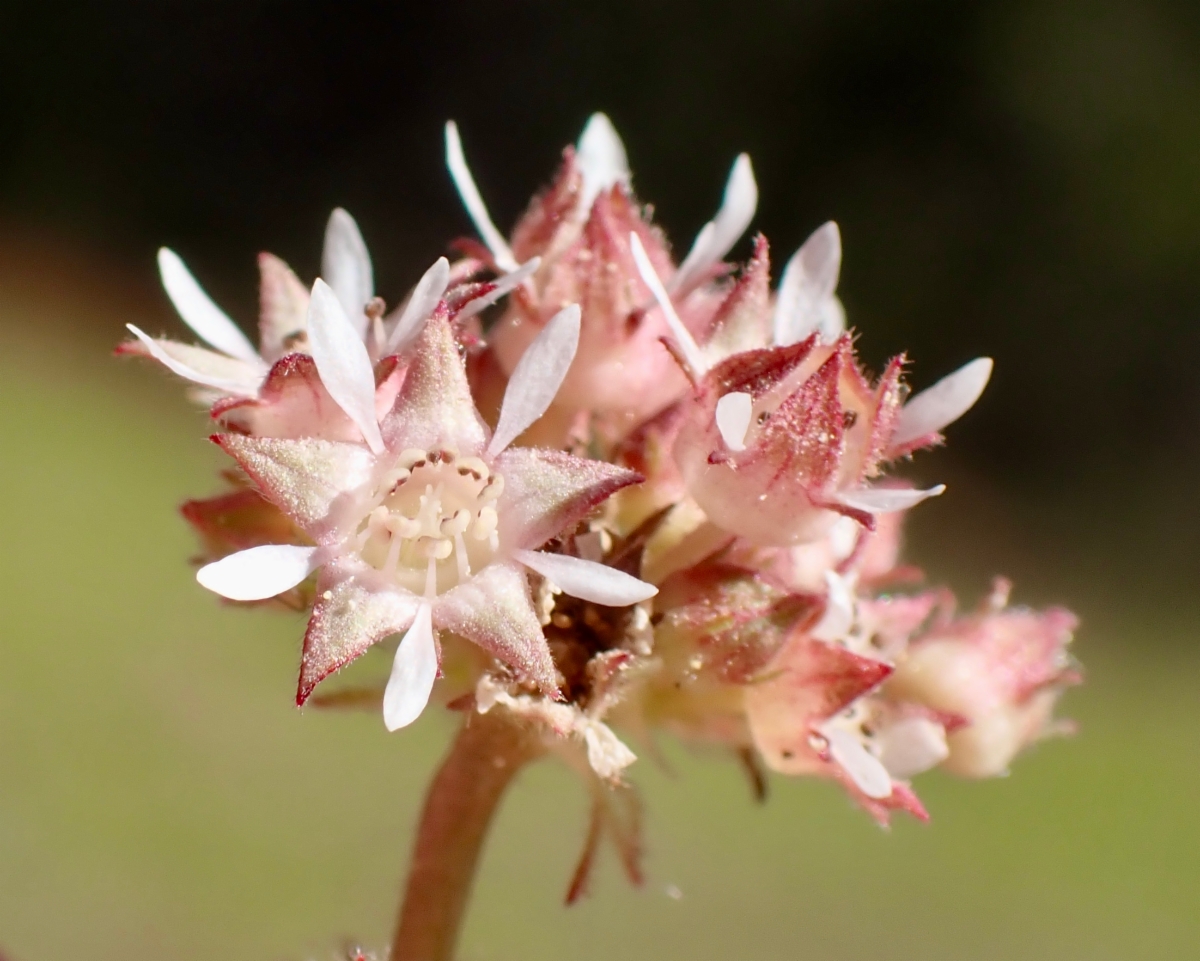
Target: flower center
435	521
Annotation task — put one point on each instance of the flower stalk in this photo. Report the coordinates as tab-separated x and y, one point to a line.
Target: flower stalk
488	752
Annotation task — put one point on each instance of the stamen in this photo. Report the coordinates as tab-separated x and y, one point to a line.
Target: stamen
485	523
460	555
412	458
431	579
454	526
474	467
432	501
393	554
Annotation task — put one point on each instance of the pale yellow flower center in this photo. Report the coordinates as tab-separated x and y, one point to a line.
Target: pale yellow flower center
435	522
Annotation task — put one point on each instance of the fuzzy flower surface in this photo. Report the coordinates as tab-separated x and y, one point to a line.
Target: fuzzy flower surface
580	228
430	522
644	495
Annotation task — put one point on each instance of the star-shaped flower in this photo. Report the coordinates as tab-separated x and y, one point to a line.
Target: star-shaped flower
779	440
429	523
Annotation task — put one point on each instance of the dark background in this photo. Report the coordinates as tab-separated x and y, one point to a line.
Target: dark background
1017	179
1021	179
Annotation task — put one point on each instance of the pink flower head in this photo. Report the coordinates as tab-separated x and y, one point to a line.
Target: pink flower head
580	228
779	441
999	671
426	523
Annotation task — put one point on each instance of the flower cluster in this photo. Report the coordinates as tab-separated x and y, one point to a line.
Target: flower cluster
634	495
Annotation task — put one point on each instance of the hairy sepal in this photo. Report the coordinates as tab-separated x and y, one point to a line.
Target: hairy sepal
494	610
547	492
434	408
348	618
282	307
309	480
808	682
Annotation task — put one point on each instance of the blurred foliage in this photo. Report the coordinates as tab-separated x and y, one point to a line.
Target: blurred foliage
1011	178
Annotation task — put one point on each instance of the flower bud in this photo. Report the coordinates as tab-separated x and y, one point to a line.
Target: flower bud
1000	671
621	366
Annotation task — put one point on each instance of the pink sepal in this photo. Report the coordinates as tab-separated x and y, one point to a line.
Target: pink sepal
493	609
348	618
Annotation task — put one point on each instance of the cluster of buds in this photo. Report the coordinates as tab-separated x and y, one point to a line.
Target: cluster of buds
632	496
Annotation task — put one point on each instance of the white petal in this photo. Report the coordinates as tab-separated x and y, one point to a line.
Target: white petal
413	673
536	378
346	267
342	361
809	279
883	500
831	321
838	618
602	160
687	345
943	403
607	754
504	285
476	210
912	746
733	418
587	580
719	235
864	768
243	388
421	301
843	537
258	573
210	322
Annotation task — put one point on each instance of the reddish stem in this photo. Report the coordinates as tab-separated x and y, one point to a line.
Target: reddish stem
487	753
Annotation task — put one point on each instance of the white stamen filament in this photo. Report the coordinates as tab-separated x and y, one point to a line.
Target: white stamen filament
460	555
431	579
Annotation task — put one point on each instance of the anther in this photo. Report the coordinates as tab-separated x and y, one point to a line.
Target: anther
412	458
454	526
437	549
473	467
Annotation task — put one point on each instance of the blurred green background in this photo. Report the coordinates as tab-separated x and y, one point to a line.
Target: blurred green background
1017	179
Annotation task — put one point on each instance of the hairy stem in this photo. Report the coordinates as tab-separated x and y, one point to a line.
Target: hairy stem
487	753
